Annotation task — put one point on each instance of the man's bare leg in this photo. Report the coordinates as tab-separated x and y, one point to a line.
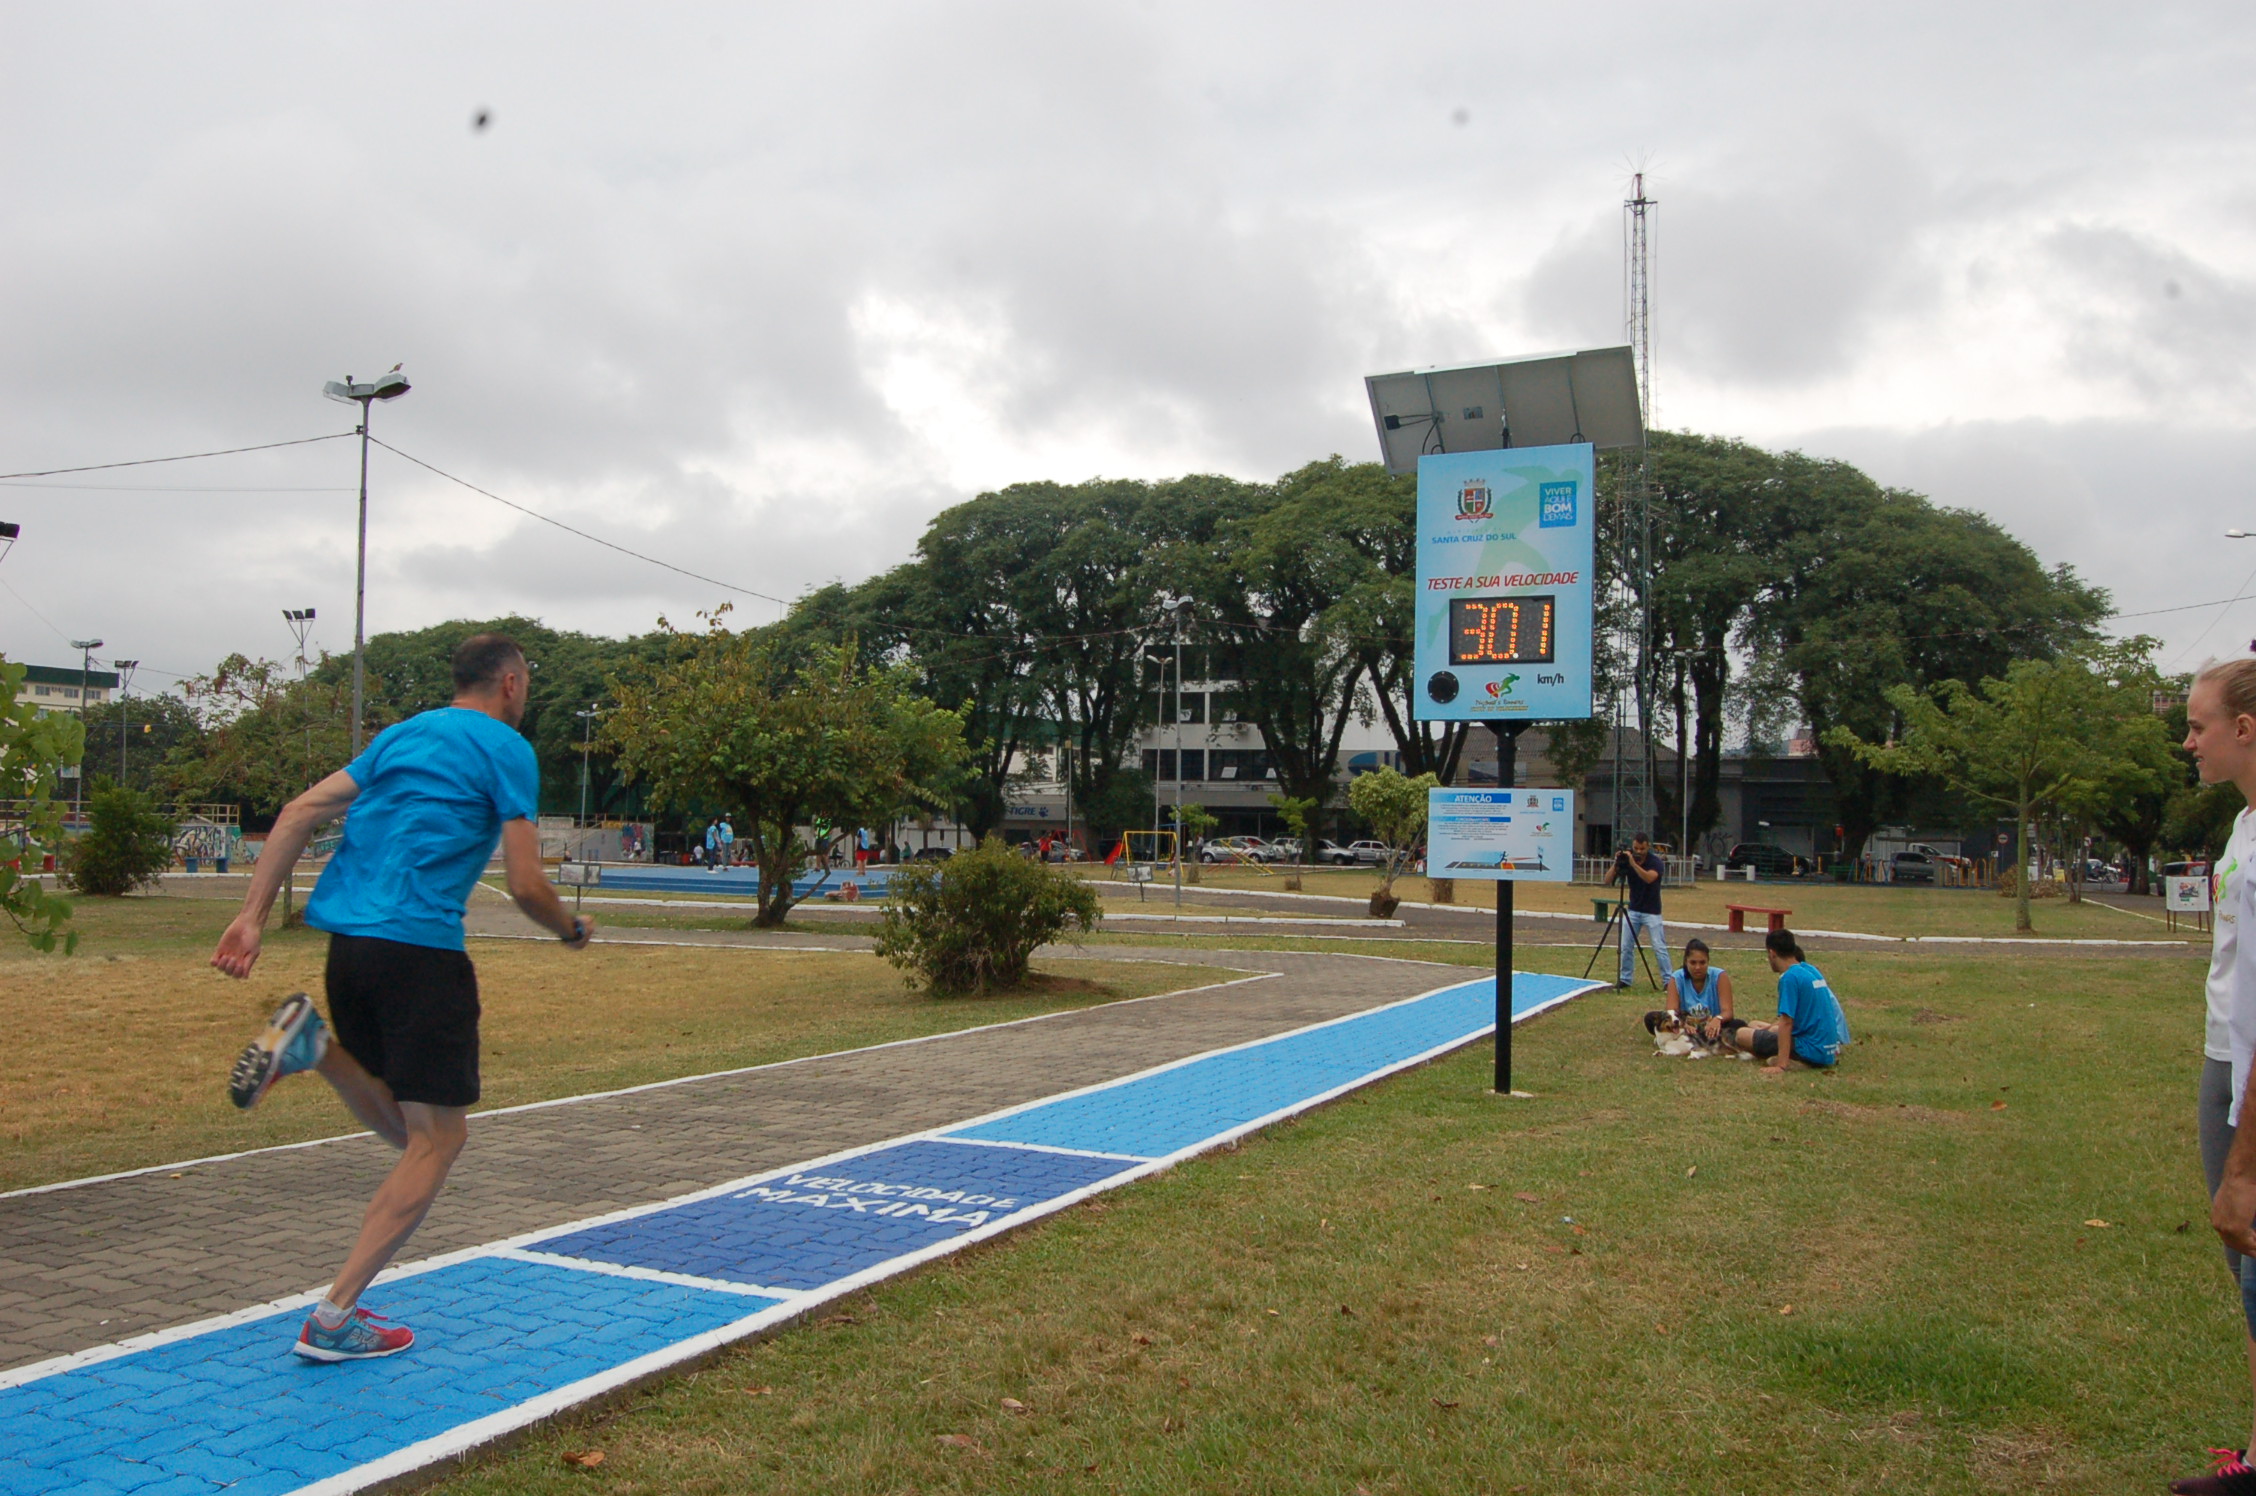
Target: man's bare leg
435	1135
366	1097
1744	1037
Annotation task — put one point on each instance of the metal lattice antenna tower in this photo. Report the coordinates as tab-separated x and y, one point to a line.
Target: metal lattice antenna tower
1634	810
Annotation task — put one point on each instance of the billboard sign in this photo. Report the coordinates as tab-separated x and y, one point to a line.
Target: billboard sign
2186	895
1514	835
1505	552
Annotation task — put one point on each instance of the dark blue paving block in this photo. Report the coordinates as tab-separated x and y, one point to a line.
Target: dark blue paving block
811	1227
261	1420
1183	1107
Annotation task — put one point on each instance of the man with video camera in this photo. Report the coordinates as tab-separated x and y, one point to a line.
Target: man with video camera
1639	870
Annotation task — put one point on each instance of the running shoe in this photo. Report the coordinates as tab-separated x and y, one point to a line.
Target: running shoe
295	1039
2232	1477
362	1337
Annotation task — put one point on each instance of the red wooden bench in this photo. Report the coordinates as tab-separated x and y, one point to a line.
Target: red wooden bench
1739	913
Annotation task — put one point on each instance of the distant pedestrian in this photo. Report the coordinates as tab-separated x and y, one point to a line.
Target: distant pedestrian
429	800
728	842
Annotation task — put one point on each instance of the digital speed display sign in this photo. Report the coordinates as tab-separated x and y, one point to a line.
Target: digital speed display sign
1505	549
1502	630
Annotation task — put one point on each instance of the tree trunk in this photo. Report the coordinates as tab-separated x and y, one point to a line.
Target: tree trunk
2021	922
2137	853
1709	676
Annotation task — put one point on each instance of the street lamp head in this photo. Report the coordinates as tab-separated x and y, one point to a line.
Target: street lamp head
383	387
2236	535
86	644
9	529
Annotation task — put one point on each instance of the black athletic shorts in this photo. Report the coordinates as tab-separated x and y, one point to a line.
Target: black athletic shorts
409	1014
1766	1048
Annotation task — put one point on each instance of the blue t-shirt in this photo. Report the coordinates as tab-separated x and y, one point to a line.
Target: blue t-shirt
1819	1028
434	792
1695	999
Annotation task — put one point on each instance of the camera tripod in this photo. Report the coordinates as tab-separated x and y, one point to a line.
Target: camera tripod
1617	930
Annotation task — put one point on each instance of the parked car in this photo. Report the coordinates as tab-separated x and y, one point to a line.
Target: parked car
932	854
1938	856
2185	869
1334	853
1237	849
1768	861
1911	867
1370	852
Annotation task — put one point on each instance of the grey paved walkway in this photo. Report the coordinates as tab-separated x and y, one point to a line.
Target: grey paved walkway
99	1262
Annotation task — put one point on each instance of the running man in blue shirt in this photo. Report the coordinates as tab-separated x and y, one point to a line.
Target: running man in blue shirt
429	799
1809	1027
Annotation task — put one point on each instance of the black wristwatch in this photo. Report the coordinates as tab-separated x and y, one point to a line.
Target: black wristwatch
576	931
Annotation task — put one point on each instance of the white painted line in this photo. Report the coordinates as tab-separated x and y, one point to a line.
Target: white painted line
660	1085
1126	1158
645	1274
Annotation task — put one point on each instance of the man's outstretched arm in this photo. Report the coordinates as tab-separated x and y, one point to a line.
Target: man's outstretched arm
239	948
529	885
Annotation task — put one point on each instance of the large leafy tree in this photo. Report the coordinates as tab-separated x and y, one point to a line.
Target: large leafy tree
33	745
152	727
412	671
802	741
1711	563
1288	591
262	735
1875	589
1134	552
2130	801
1375	514
2045	736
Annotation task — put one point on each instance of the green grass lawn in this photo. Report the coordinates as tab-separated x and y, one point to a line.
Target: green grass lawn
1886	1279
119	1054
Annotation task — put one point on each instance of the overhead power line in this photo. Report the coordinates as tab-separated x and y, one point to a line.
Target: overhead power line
96	467
584	535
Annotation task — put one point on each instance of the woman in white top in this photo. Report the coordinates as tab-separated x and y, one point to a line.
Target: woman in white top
2221	736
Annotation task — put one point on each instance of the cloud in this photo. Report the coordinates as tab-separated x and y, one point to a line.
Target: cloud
759	291
1772	268
2152	320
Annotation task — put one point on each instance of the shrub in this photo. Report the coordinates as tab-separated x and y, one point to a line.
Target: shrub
126	844
970	924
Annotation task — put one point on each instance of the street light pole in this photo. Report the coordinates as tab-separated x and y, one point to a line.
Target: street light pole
587	741
386	387
85	648
1178	758
125	669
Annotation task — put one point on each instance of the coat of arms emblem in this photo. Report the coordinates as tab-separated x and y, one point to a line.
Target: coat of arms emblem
1473	500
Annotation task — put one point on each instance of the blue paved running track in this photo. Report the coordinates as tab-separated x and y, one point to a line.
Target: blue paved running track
736	881
524	1328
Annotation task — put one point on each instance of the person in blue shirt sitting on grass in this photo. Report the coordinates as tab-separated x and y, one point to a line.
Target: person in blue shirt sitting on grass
1809	1027
1699	996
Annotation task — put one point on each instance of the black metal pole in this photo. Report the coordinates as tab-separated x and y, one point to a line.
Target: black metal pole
1507	769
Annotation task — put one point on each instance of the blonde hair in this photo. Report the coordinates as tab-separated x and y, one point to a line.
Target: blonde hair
2236	684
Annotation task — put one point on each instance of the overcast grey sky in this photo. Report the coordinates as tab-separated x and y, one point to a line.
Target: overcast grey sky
759	289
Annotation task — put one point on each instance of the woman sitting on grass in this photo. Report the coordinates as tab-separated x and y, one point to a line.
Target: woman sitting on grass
1809	1027
1699	996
